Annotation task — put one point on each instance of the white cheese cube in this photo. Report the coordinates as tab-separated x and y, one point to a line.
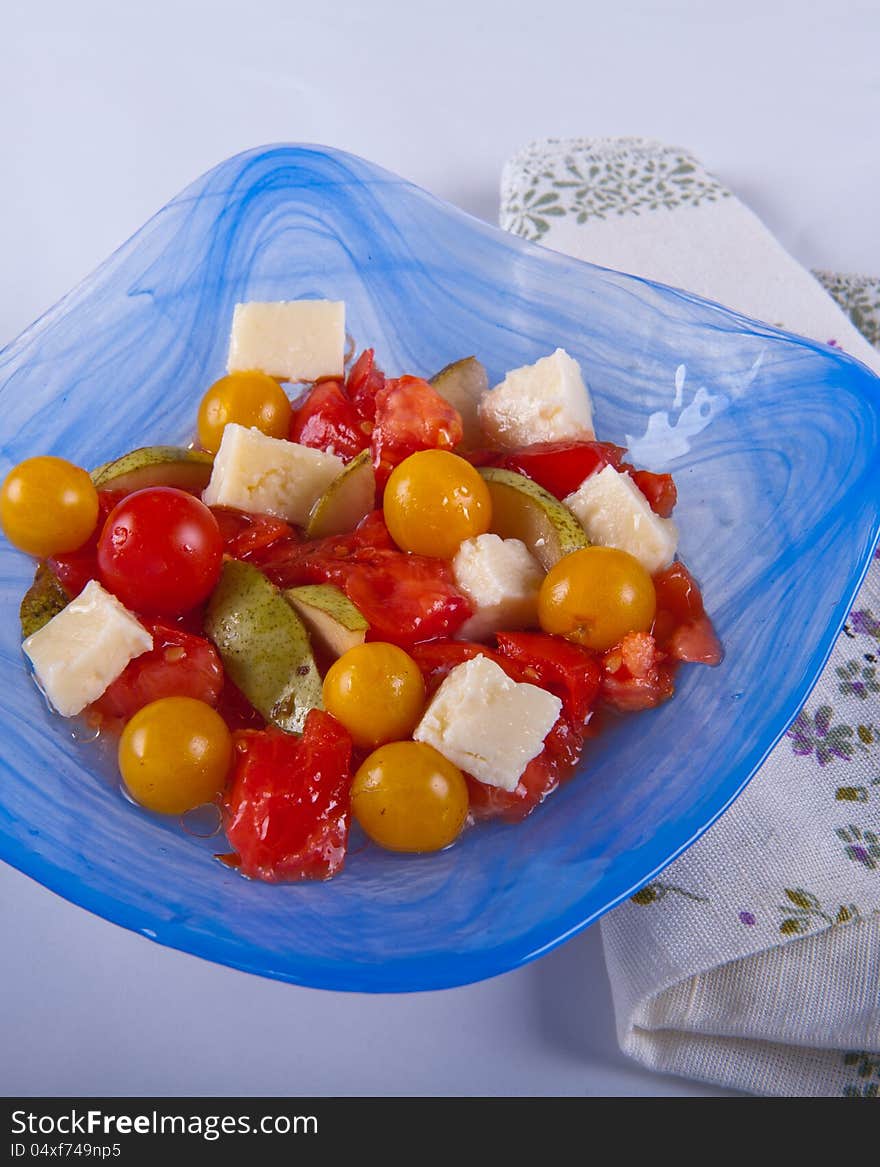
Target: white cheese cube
269	476
501	579
487	724
544	402
84	649
294	340
614	513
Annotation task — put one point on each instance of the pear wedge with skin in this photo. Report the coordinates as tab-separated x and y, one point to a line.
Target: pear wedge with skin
334	623
264	646
521	509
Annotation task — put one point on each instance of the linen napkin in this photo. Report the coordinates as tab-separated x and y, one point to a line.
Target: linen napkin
754	960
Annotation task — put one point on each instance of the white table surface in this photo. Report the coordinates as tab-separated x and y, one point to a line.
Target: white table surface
106	110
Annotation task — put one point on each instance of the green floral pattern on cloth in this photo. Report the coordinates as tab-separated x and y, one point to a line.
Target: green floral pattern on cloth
866	1067
600	185
859	297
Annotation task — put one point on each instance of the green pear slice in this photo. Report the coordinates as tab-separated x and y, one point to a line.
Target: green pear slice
44	599
264	646
156	466
463	383
334	623
521	509
349	498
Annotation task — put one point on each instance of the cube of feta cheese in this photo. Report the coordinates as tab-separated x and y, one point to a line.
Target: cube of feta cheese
269	476
84	649
487	724
501	579
544	402
294	340
614	513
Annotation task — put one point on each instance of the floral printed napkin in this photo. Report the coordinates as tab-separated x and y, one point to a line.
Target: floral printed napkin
754	961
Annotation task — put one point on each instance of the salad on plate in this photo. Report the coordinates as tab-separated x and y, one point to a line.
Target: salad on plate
406	602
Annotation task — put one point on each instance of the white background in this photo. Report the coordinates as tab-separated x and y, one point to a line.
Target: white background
106	111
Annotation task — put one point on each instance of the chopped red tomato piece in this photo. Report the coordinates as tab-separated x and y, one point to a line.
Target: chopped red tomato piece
681	627
410	416
244	534
540	778
437	659
636	674
74	570
236	710
569	671
364	383
178	665
289	805
561	467
405	598
696	643
291	562
327	420
658	489
678	593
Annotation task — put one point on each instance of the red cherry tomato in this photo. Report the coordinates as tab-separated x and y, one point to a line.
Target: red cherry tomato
288	805
411	416
328	420
160	551
179	665
364	383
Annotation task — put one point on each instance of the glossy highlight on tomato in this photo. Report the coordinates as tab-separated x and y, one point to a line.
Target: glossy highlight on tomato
160	551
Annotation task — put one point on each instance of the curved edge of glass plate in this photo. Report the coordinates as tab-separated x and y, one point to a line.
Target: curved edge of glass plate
220	189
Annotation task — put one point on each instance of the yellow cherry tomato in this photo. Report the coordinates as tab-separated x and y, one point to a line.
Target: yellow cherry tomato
435	500
376	690
408	797
48	506
595	596
175	755
251	399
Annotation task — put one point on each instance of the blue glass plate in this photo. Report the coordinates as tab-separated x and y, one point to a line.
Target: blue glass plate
774	443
